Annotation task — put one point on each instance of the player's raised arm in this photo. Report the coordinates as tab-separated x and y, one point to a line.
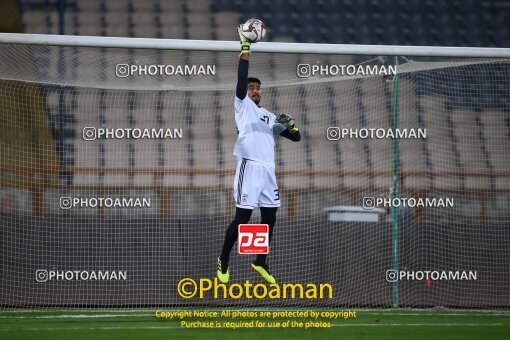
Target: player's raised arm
242	70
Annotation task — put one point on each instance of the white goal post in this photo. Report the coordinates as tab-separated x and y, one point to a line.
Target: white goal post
268	47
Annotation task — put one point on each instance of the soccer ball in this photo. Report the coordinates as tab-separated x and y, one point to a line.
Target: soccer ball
254	30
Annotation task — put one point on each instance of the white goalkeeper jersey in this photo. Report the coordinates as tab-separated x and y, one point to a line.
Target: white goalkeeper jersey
256	128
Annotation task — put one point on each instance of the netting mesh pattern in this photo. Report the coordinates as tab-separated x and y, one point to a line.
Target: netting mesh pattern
49	95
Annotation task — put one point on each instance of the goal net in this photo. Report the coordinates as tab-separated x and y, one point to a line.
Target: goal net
117	176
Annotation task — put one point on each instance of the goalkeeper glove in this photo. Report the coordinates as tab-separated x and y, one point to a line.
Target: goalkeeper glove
245	43
288	121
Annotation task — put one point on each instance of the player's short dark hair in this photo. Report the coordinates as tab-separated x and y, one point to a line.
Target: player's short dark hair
254	80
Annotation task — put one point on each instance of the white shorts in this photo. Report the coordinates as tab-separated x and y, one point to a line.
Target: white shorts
255	186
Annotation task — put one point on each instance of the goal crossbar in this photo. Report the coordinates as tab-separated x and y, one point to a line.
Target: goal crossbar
267	47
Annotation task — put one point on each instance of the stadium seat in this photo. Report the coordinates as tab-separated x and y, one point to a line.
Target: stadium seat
116	117
340	60
381	158
354	160
86	113
318	129
313	103
325	161
228	20
469	146
346	101
71	26
109	18
287	99
144	5
226	66
144	100
145	118
373	87
51	60
33	18
114	31
52	99
204	124
442	158
42	29
86	155
116	155
176	158
284	72
145	31
447	182
116	6
408	117
434	114
201	32
229	160
89	5
171	18
439	142
293	163
226	33
171	6
198	6
144	18
287	39
90	67
174	112
412	159
412	156
496	136
227	121
376	112
205	157
172	31
198	19
146	156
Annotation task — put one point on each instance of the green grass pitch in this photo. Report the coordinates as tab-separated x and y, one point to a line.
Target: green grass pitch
142	324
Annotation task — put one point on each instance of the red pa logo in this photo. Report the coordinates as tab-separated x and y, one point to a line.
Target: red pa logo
253	239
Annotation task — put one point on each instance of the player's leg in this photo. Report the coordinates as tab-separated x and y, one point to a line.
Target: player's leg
242	216
268	216
246	191
269	202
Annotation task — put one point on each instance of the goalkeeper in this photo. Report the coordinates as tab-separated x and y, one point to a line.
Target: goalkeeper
255	180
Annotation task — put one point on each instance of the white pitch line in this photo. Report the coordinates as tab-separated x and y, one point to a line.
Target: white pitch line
70	310
74	316
435	314
358	310
108	328
94	316
415	324
432	310
152	313
98	316
136	313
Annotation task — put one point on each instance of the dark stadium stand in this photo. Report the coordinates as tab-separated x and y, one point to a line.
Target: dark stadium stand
413	22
